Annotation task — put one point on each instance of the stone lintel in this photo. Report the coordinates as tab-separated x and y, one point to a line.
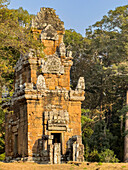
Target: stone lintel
57	128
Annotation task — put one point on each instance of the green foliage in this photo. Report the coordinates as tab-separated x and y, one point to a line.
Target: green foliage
101	139
79	47
16	39
72	39
87	131
4	3
2	130
2	157
105	156
123	110
99	163
123	166
94	133
108	156
94	156
101	58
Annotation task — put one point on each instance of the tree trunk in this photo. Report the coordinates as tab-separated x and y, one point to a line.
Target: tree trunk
126	136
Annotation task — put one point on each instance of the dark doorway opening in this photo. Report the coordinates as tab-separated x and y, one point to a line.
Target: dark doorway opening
56	137
15	145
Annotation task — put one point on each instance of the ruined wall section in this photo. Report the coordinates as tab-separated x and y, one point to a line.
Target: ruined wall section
16	131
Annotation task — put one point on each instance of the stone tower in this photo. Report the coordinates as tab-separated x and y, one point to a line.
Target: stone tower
45	125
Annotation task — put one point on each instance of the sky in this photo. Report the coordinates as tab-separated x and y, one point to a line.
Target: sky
76	14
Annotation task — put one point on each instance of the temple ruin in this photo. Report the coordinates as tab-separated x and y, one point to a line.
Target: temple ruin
45	125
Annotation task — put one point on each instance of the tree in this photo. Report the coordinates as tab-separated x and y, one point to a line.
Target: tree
16	38
111	39
102	60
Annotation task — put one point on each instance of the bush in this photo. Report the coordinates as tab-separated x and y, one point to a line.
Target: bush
2	156
108	156
94	156
104	156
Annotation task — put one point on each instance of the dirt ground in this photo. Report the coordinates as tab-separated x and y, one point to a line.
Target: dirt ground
83	166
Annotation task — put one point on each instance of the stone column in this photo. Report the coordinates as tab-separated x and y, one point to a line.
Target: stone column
57	153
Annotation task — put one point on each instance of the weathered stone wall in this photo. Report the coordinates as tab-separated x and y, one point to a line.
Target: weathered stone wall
47	112
16	127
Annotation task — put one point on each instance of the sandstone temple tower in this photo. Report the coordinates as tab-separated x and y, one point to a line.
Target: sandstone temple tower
45	125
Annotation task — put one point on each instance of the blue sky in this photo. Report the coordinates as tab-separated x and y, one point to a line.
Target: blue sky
76	14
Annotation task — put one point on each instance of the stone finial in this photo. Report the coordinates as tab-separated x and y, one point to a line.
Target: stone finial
45	17
41	83
81	84
62	49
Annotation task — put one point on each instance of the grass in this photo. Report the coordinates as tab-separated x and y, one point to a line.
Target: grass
123	166
100	163
83	166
